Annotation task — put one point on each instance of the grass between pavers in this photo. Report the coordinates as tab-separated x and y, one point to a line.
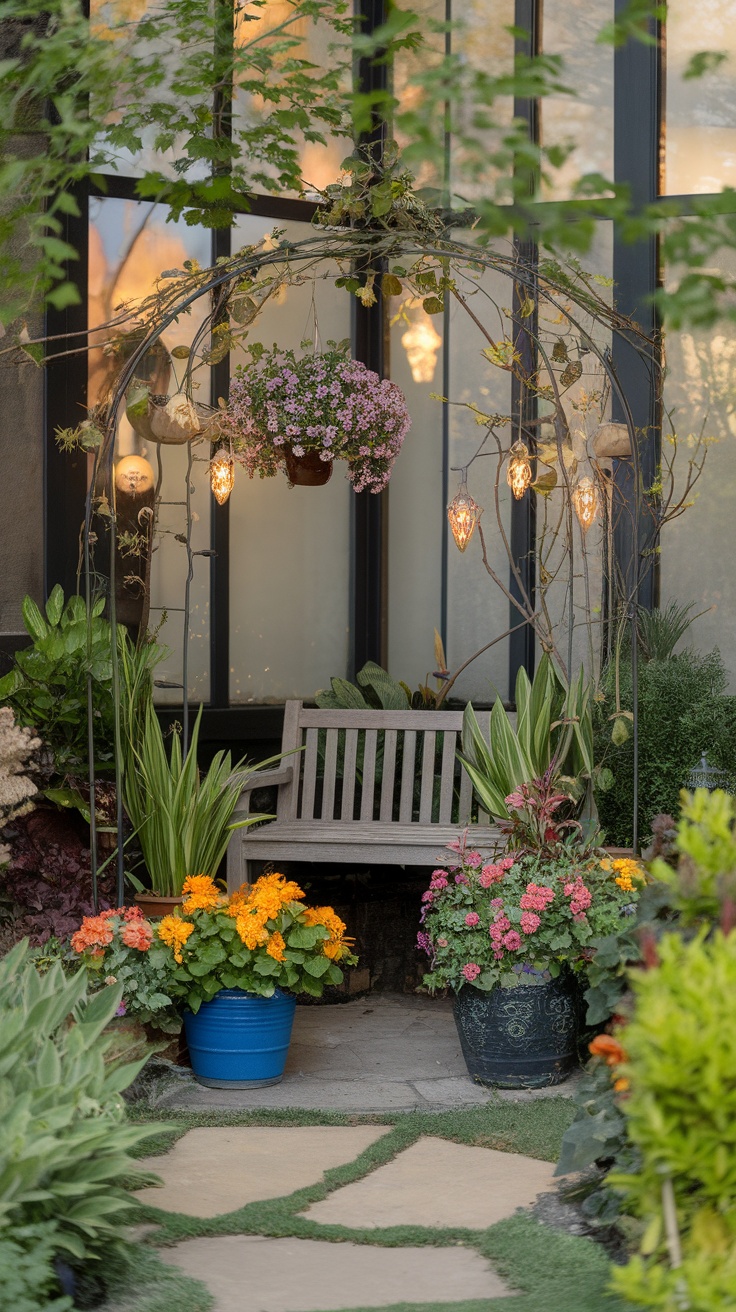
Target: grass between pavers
553	1271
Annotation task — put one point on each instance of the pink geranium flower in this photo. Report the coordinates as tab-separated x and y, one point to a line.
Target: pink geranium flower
512	940
529	922
471	971
472	919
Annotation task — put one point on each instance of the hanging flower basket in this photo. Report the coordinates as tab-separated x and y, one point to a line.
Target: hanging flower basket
307	470
316	409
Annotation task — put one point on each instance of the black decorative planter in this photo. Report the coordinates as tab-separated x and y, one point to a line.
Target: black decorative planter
520	1038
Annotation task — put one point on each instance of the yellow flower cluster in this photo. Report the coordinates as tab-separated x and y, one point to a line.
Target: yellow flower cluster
200	894
253	909
337	945
174	932
627	872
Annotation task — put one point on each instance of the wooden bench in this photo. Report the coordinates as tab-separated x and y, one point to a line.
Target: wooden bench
380	787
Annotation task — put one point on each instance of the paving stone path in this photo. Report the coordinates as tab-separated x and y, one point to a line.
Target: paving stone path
373	1055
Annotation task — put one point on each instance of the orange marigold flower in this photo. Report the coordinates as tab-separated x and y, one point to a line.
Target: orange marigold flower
174	932
276	947
200	893
94	932
252	930
604	1045
621	1085
137	934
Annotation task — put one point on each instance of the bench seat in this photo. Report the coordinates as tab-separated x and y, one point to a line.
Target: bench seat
363	787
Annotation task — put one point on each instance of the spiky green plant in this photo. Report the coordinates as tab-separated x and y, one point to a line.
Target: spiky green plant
553	722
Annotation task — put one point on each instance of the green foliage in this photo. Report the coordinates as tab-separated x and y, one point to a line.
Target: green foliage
660	630
703	884
64	1140
75	94
681	1115
596	1143
27	1275
553	723
182	819
47	687
682	713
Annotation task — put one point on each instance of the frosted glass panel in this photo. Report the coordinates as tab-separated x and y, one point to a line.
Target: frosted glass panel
698	547
700	119
585	117
130	244
477	610
416	499
289	547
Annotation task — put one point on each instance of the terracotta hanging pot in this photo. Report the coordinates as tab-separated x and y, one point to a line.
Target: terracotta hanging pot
308	470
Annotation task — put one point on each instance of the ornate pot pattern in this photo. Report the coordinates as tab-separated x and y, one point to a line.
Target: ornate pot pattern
520	1038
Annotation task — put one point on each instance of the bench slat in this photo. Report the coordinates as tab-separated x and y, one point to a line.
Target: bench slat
466	798
348	719
386	812
447	776
310	774
406	804
348	775
369	774
426	792
328	781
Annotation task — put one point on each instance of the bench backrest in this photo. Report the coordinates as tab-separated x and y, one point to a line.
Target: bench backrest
375	766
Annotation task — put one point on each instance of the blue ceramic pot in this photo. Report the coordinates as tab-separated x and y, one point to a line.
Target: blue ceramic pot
520	1038
240	1040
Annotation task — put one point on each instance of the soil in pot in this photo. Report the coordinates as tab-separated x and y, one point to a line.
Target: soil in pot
523	1037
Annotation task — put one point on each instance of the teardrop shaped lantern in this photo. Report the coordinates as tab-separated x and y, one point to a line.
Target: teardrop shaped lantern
222	475
463	514
586	502
519	469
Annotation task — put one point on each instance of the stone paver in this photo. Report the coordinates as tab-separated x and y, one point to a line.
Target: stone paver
438	1183
209	1172
383	1053
255	1274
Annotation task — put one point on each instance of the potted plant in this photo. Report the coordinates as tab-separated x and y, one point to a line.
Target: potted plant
181	817
512	939
300	413
236	964
119	946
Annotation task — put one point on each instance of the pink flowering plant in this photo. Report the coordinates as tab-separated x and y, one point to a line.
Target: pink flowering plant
520	918
324	402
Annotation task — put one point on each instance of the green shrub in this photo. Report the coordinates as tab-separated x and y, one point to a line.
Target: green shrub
28	1280
64	1139
681	1116
682	713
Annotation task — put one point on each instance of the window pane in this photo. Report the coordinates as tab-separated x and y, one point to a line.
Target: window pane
130	245
416	500
289	547
697	547
700	128
477	609
586	117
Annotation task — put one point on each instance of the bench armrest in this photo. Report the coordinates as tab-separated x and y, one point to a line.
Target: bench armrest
267	778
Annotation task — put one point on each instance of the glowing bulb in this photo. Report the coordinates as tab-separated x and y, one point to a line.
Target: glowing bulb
134	475
421	343
222	475
463	513
586	501
519	471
